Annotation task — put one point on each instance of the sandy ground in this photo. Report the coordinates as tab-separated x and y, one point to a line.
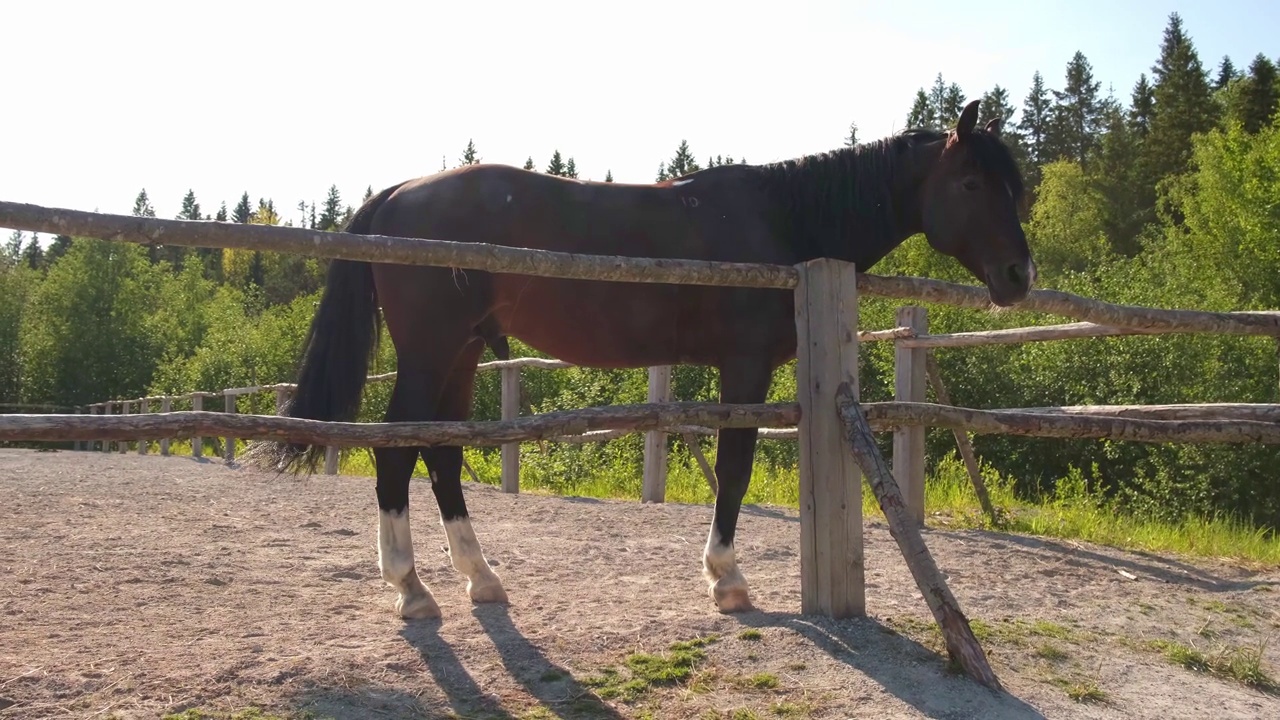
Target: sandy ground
139	586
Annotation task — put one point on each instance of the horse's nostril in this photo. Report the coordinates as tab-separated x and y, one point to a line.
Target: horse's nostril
1016	274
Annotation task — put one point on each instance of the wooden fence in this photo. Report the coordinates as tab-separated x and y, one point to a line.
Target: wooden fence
833	429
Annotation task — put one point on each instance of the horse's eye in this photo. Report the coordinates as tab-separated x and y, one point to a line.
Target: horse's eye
970	184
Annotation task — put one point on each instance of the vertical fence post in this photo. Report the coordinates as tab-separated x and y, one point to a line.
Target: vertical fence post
197	442
655	441
143	407
166	405
107	409
331	460
282	398
229	452
831	557
510	411
909	385
123	445
79	444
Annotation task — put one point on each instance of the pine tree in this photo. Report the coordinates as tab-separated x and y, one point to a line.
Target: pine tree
571	169
13	248
528	164
142	205
190	208
1183	104
1113	173
662	171
952	105
331	215
1075	118
556	166
368	193
222	212
852	139
1226	73
59	247
1033	125
469	156
608	176
243	210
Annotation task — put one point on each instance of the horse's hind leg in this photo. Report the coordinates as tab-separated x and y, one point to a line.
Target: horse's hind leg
395	541
444	463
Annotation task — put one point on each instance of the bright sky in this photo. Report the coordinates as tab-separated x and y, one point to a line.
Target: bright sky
283	99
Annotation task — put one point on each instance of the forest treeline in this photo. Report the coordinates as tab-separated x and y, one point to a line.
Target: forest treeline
1167	195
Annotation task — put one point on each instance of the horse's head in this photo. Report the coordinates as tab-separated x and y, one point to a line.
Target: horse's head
969	209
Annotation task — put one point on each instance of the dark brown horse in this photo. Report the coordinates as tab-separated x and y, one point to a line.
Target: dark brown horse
960	188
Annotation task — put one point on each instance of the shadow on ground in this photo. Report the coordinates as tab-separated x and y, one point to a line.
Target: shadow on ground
913	673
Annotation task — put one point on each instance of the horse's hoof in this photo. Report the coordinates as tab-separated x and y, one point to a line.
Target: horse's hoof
417	607
487	592
731	598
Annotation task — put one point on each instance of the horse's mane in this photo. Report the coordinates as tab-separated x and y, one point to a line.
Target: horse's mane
831	198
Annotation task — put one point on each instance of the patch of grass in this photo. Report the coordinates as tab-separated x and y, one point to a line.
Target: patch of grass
646	671
552	675
788	709
1082	690
751	634
1051	652
1241	664
743	714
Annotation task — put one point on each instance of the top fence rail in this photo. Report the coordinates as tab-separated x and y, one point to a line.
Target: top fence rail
525	261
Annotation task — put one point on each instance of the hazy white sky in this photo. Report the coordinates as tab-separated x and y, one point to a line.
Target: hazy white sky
282	99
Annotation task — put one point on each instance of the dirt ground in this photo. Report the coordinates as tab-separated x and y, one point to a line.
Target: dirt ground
133	587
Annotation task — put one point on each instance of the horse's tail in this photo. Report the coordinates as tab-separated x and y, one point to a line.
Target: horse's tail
335	358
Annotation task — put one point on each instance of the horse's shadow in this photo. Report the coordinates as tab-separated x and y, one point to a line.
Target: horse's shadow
553	685
914	674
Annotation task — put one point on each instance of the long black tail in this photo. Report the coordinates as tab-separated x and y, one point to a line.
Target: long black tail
335	357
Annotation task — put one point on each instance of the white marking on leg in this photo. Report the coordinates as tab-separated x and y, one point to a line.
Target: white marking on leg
483	585
720	568
395	560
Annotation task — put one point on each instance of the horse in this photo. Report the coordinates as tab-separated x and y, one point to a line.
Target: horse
960	187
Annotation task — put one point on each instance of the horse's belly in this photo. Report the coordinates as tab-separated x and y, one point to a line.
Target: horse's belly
594	324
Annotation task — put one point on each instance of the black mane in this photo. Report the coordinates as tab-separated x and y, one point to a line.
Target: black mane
847	203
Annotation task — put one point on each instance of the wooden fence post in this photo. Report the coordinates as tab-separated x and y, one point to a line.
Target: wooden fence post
510	411
197	442
143	407
909	385
79	444
655	441
331	460
123	445
166	405
107	409
229	452
831	558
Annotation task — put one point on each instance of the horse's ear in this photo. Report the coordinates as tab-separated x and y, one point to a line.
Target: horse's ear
993	126
968	118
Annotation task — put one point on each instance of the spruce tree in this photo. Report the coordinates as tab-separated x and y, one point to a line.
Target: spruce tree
368	193
528	164
995	103
1034	127
571	169
1183	104
331	215
662	171
190	208
222	212
921	113
683	162
243	210
1258	97
1226	73
59	247
469	156
556	166
33	254
1076	119
608	176
142	205
1114	173
1142	107
851	140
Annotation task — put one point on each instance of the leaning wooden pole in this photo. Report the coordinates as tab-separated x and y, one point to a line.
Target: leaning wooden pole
962	646
962	440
